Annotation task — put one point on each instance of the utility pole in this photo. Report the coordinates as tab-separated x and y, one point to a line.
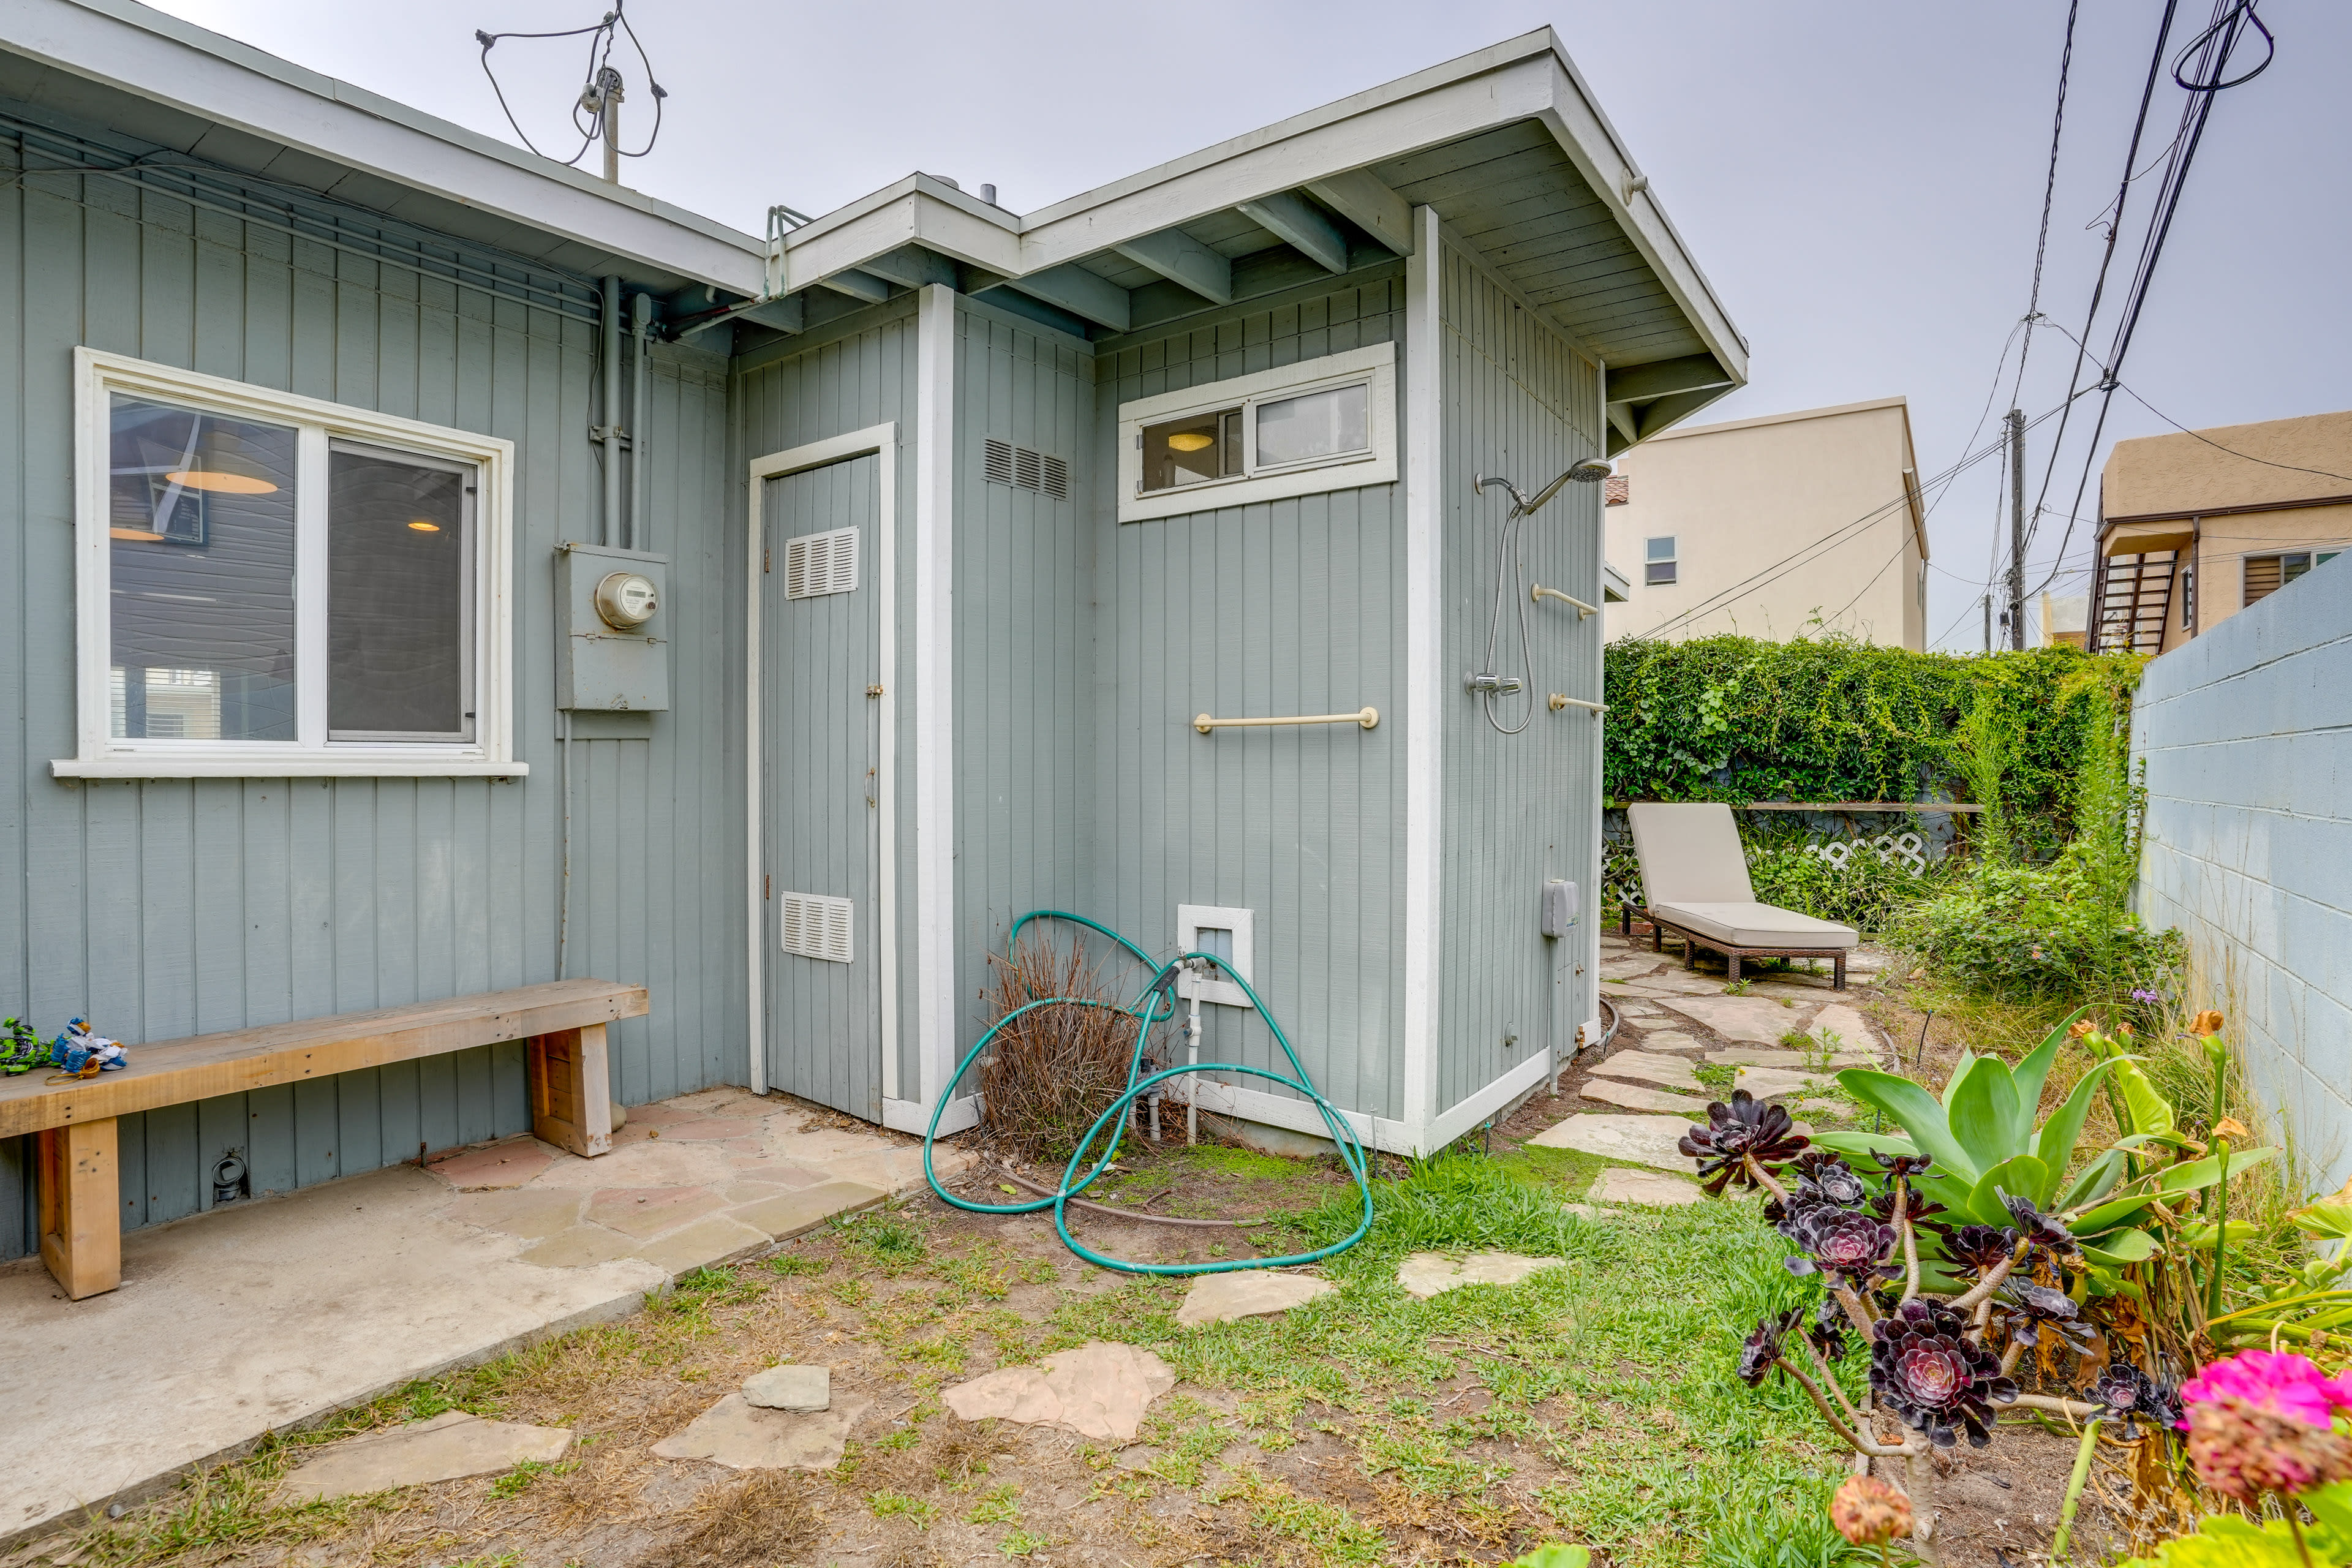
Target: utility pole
602	99
1988	610
2017	529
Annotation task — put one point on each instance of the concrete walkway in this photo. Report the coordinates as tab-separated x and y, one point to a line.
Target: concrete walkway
272	1314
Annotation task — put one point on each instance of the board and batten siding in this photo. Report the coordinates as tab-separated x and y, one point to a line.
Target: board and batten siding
1025	669
164	908
853	373
1518	402
1282	607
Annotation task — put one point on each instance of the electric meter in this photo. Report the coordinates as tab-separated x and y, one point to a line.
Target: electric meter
626	600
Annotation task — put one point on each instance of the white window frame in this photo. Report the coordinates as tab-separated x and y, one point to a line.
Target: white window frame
98	376
1373	367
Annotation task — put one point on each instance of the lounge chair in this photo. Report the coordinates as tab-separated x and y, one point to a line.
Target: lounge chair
1694	880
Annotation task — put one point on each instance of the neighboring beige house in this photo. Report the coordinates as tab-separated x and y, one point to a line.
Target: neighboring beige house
2194	527
1786	526
2064	617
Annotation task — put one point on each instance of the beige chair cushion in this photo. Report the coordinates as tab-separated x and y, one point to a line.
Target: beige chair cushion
1690	853
1747	924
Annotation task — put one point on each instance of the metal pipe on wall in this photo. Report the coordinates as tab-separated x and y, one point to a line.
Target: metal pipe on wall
609	432
641	481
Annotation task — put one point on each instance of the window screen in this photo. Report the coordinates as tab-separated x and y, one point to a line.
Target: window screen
397	591
1192	450
201	525
1314	424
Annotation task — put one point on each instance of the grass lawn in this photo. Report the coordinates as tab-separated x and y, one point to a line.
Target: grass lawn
1596	1402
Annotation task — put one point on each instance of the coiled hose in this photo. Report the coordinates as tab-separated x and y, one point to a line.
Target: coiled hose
1156	1004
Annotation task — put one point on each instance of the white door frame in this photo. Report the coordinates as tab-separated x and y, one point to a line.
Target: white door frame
882	441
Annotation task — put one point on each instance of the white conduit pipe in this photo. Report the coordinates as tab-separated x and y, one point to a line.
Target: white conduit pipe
609	433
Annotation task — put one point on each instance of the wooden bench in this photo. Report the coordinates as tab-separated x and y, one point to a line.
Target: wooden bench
74	1125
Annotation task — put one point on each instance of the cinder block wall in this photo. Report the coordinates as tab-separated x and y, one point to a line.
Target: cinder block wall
2247	732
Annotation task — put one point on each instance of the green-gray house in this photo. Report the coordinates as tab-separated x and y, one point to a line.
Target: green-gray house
434	569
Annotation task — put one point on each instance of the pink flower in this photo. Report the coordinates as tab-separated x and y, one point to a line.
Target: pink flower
2279	1381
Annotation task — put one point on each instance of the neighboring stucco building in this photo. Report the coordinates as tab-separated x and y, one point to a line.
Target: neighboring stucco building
2196	526
2063	620
1778	527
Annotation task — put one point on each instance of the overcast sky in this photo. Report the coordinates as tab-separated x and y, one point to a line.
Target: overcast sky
1860	180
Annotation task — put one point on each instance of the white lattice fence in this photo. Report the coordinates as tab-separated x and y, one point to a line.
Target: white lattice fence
1908	848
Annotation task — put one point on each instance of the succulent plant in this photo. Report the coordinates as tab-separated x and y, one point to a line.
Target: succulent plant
1923	1368
1904	1165
1915	1203
2038	1227
1747	1129
2032	1311
1825	1177
1978	1247
1856	1246
2132	1396
1762	1349
1827	1330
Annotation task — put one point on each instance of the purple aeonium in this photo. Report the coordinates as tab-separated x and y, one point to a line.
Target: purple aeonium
1761	1349
2035	1226
1908	1166
2032	1311
1747	1129
1824	1176
1978	1247
2131	1396
1923	1368
1827	1330
1855	1247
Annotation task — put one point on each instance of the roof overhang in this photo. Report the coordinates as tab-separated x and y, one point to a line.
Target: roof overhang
1335	186
138	72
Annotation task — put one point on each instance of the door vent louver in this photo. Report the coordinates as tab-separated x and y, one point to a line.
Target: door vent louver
816	926
1026	468
818	563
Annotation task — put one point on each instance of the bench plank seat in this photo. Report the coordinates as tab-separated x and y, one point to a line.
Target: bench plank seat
563	1022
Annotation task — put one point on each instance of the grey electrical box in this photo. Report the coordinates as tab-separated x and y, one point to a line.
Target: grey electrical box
613	607
1558	907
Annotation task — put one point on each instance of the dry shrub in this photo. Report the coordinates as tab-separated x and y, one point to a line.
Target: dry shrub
1052	1071
766	1518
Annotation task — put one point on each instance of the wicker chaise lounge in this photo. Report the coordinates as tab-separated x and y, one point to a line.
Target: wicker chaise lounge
1694	880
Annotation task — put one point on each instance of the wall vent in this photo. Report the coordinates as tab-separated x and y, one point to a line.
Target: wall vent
1026	468
818	927
818	563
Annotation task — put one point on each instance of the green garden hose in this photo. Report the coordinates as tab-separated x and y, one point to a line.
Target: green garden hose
1147	1009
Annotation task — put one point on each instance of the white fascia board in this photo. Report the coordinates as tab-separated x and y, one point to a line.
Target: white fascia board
1591	143
142	52
915	211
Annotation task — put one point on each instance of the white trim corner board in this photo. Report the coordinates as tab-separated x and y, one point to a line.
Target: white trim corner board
934	629
1424	715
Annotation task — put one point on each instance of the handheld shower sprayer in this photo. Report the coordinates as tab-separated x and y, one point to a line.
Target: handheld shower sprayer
1488	683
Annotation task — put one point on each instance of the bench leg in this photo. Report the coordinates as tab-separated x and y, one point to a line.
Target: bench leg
1837	980
82	1206
1731	962
570	1091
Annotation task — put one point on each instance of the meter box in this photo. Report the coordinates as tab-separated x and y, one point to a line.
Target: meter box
613	606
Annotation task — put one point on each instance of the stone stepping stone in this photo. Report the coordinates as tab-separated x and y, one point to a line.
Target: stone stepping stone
1668	1040
1246	1293
1427	1274
803	1389
1757	1056
1771	1083
1098	1391
1641	1066
1640	1097
1672	983
1641	1139
1756	1020
1644	1189
791	1212
1627	968
450	1446
742	1436
1852	1030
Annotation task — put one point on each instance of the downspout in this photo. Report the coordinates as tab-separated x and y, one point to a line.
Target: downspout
608	433
641	322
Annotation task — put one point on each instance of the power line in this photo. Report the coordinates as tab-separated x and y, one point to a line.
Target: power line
2049	191
600	35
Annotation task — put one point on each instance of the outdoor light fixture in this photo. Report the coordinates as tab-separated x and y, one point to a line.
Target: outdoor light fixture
1190	441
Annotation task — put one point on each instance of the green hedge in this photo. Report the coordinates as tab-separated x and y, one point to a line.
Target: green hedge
1734	720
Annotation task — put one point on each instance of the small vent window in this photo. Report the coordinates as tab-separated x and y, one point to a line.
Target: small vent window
819	927
1616	490
819	564
1660	561
1026	468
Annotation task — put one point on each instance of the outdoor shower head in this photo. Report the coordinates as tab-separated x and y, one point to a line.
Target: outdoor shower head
1586	471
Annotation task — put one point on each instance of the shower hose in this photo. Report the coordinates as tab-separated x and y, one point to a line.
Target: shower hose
1156	1004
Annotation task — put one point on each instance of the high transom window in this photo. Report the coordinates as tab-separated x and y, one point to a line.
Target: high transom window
274	584
1320	424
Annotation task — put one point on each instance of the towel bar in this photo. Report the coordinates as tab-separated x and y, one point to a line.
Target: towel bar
1539	593
1559	702
1368	718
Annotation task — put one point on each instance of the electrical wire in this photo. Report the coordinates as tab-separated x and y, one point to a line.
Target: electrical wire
2049	191
600	35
